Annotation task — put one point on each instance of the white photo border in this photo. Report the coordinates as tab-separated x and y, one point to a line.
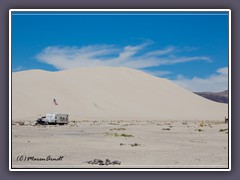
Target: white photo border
118	10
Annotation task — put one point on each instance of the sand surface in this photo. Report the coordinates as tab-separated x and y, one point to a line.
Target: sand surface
154	144
107	93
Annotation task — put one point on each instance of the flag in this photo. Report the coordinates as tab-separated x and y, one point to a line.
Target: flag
55	102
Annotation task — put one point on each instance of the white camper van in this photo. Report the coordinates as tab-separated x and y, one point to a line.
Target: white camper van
54	118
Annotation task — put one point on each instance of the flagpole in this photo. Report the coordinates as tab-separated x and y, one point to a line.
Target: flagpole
52	108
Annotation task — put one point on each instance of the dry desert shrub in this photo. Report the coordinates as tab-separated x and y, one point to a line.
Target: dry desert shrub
21	123
199	130
118	135
118	129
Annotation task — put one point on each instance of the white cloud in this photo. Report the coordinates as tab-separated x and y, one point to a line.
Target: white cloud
214	83
18	68
160	52
223	71
138	57
187	59
65	57
159	73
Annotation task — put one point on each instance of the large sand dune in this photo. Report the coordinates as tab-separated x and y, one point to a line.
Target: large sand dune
107	93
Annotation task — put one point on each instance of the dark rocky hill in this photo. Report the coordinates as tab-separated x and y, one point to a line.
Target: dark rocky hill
218	97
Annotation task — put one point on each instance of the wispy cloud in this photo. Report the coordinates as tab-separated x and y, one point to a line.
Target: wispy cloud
18	68
214	83
159	73
67	57
134	56
156	53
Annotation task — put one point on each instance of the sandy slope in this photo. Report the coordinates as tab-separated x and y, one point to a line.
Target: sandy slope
107	93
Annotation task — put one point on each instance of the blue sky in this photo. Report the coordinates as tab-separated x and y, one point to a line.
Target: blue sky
189	48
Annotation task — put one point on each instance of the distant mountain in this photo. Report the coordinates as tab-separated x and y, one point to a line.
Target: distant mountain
218	97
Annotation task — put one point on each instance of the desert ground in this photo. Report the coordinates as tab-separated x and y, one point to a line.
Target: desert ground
135	144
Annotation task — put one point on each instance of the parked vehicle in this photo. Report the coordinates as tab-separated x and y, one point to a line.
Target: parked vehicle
53	118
